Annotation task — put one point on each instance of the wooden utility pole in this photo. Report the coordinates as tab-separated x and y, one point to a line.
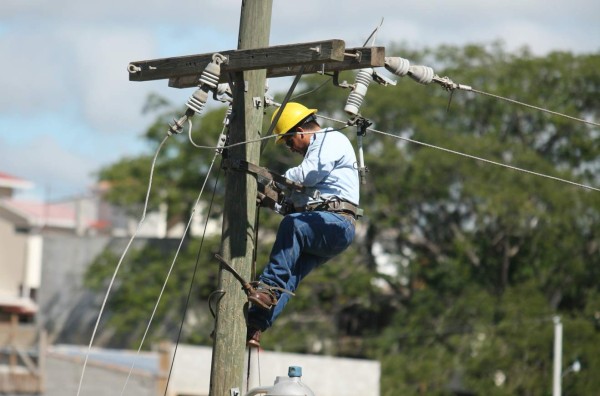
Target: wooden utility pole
246	70
240	206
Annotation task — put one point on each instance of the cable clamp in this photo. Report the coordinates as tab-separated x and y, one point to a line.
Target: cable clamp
361	123
450	85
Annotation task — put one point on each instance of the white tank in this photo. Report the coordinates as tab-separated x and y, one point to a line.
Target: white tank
285	386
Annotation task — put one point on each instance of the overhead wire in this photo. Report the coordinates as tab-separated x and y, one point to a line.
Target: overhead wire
426	145
112	280
471	156
535	107
191	217
269	136
134	235
372	36
189	295
217	147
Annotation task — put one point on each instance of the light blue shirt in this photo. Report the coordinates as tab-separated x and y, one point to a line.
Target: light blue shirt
328	166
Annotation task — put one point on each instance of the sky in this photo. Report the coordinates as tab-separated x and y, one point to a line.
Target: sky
67	107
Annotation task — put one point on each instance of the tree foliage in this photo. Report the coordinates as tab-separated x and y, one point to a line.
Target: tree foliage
460	263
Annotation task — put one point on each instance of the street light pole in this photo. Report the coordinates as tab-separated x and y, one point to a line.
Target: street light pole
556	379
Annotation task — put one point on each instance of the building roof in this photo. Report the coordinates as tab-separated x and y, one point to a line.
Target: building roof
19	305
10	181
33	213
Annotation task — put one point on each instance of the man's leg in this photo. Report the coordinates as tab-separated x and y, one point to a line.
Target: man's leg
304	241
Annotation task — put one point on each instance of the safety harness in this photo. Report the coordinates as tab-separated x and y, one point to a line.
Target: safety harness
335	205
271	192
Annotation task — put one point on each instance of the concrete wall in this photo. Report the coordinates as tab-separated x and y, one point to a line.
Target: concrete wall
63	375
65	305
13	251
324	375
68	311
106	372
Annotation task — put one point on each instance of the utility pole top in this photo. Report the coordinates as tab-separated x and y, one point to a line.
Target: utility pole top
279	61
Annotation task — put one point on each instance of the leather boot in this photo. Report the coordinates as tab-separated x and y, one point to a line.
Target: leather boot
262	297
253	337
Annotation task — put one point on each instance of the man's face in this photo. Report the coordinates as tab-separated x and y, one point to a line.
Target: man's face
296	142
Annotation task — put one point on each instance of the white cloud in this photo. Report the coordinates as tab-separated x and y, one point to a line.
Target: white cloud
109	101
432	23
49	165
32	73
68	58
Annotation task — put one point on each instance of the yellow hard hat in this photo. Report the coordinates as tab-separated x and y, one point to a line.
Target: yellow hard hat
292	114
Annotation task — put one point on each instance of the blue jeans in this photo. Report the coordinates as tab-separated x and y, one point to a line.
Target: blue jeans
304	241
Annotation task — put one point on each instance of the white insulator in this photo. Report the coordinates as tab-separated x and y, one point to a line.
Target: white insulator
398	66
210	75
212	72
356	97
198	100
421	74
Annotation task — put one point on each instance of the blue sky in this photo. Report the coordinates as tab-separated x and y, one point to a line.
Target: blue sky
68	108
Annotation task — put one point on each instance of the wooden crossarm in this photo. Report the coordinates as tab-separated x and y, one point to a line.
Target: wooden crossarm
294	55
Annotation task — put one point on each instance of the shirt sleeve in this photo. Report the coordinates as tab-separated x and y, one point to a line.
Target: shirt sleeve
318	163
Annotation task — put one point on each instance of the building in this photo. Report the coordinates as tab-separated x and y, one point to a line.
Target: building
110	371
45	249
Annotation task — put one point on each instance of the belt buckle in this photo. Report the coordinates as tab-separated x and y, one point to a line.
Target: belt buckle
335	204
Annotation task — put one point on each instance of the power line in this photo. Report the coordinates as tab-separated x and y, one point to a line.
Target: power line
445	82
471	156
112	280
426	145
535	107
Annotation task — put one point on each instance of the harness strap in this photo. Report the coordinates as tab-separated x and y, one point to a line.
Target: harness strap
335	205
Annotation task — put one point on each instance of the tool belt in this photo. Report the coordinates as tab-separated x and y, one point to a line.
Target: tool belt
335	205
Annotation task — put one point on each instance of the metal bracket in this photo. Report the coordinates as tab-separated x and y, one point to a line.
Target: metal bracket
336	81
361	124
234	392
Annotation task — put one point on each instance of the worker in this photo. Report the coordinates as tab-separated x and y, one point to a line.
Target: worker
321	224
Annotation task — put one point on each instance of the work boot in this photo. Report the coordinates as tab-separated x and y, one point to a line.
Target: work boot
262	296
253	337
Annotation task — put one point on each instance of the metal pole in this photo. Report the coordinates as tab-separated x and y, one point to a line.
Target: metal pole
556	378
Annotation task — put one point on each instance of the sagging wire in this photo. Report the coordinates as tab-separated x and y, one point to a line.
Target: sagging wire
285	102
425	75
253	276
211	296
230	145
471	156
187	302
226	98
371	38
112	280
217	152
537	108
207	82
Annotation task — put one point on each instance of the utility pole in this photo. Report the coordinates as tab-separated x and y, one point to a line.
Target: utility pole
240	206
246	69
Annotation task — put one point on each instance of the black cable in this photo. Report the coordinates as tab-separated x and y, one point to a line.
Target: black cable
254	251
187	302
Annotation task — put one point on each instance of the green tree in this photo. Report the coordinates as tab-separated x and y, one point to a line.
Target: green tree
479	257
